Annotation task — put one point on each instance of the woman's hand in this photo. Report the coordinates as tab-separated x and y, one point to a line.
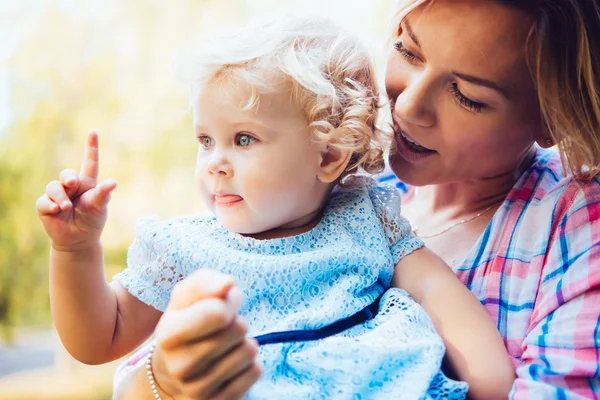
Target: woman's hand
202	351
74	208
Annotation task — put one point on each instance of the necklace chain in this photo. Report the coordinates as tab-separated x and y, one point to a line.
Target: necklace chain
446	229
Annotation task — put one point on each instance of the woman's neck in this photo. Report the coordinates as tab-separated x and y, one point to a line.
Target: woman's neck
459	199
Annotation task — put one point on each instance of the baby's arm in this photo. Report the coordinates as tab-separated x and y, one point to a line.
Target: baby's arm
89	313
97	322
474	346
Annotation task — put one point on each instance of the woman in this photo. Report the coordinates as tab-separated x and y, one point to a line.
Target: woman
479	92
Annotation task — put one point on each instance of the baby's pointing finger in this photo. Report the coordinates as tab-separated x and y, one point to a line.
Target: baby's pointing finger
90	164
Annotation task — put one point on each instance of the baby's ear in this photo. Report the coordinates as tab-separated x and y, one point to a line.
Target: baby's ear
333	163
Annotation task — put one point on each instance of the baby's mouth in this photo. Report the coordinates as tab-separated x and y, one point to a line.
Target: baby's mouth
227	199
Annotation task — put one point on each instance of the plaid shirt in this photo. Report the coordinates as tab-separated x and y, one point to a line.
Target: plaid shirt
536	269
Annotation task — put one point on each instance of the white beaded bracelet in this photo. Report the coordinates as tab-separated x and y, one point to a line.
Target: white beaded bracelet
150	374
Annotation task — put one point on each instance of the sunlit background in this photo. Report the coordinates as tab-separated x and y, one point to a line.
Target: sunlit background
67	67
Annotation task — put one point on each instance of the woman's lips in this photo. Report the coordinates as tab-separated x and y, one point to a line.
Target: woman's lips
409	149
227	200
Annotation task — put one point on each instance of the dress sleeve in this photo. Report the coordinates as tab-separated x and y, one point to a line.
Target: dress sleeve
151	271
561	351
397	229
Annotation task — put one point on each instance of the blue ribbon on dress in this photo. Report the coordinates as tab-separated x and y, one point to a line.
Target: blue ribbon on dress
308	335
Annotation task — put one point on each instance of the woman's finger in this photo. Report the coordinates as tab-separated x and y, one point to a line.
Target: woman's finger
45	206
198	358
235	298
240	385
56	192
198	321
236	361
233	363
201	284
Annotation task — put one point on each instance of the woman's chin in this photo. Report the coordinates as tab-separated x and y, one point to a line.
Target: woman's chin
409	173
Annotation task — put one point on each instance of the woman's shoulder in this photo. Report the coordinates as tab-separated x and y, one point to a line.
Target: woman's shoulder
545	182
545	207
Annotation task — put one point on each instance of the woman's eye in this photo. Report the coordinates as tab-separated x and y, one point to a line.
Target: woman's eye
465	101
244	140
206	141
404	52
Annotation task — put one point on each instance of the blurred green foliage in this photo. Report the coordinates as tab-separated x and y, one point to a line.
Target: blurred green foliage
23	245
65	77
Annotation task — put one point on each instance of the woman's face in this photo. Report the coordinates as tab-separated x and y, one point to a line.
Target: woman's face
463	103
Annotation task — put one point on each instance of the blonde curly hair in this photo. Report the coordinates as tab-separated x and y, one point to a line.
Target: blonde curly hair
329	72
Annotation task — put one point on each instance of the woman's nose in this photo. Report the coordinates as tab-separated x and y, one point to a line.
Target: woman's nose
219	165
414	101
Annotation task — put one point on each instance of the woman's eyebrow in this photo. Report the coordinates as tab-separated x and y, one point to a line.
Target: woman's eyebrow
411	33
405	25
482	82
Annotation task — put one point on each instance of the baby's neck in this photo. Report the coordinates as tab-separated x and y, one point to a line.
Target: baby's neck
293	228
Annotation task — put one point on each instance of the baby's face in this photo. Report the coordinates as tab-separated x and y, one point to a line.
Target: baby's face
256	168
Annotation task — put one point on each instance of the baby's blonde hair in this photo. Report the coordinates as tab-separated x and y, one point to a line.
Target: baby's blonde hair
329	73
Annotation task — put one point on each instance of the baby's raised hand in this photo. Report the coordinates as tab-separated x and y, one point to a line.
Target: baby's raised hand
74	208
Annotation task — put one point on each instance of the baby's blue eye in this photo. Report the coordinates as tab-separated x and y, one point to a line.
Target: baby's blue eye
206	141
245	140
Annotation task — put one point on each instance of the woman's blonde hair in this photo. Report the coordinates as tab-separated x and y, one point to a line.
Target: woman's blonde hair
563	54
328	72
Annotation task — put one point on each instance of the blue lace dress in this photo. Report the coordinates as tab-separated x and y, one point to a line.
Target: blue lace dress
308	282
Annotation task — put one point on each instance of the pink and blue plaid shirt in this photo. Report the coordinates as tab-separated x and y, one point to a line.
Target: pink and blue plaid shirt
536	269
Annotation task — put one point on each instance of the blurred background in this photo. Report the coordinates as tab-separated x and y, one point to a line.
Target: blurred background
67	67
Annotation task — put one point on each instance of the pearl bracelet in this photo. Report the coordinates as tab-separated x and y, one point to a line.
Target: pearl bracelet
150	374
